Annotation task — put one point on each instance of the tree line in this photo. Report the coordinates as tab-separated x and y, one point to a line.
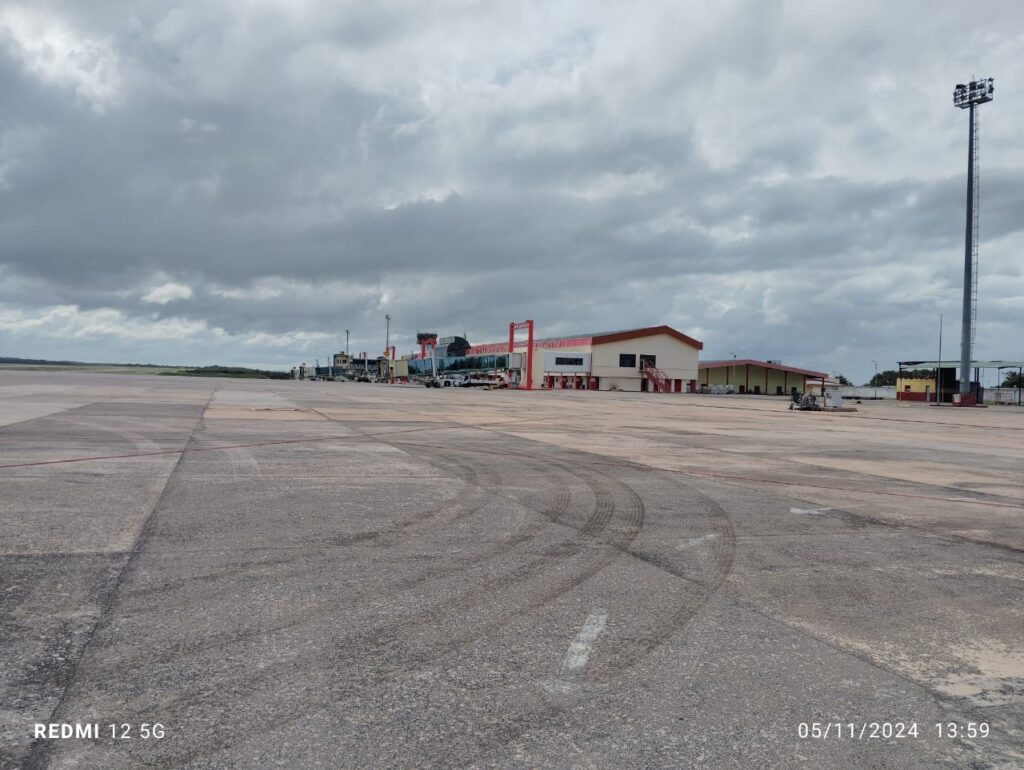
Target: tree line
889	377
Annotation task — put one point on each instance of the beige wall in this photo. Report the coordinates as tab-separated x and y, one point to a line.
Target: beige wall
631	384
538	359
674	357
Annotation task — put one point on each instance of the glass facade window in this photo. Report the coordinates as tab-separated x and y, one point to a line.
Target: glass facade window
460	364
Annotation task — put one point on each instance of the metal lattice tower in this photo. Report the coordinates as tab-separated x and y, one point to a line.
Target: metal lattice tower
969	97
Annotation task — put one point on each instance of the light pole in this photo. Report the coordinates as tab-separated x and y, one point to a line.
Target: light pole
346	342
876	378
967	97
387	345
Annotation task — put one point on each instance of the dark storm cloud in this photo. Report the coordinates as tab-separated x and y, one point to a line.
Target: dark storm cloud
242	182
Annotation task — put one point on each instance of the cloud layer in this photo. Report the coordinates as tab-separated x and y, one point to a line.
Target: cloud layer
241	182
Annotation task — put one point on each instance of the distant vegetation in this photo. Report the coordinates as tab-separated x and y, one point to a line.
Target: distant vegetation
231	371
889	376
178	371
44	362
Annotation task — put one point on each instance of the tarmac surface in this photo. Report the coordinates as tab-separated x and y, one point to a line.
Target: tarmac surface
309	574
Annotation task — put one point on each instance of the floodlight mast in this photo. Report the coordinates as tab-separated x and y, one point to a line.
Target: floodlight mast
969	96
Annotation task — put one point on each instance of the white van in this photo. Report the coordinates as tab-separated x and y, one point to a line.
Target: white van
454	380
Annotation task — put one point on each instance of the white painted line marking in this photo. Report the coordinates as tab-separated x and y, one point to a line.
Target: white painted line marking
579	651
695	541
809	511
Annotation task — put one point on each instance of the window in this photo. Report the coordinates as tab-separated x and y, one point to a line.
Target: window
647	358
565	361
627	360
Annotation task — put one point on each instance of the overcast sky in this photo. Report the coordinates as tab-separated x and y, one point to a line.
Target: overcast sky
239	182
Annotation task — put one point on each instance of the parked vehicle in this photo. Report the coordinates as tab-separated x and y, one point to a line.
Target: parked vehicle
469	381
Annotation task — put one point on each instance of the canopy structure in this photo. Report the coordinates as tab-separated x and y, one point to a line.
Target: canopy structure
946	380
954	364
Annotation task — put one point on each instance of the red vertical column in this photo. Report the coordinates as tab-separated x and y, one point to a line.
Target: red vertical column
511	340
529	355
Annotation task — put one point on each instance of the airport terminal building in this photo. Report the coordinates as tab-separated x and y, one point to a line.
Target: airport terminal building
653	358
647	359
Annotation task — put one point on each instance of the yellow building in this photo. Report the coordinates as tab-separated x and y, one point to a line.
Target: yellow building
916	389
748	375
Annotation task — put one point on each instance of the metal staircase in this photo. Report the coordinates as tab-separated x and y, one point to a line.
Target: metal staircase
657	378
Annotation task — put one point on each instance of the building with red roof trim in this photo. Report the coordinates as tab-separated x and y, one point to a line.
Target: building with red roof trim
748	375
652	358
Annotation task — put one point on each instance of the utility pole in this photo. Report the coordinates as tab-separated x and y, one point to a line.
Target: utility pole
387	345
346	342
969	96
876	378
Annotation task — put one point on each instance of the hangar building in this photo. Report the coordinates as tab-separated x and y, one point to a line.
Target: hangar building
653	358
749	375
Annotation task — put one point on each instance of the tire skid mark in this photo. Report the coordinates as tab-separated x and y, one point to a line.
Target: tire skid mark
464	508
558	507
369	653
387	642
723	550
477	500
462	600
468	472
515	725
296	619
229	571
559	707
